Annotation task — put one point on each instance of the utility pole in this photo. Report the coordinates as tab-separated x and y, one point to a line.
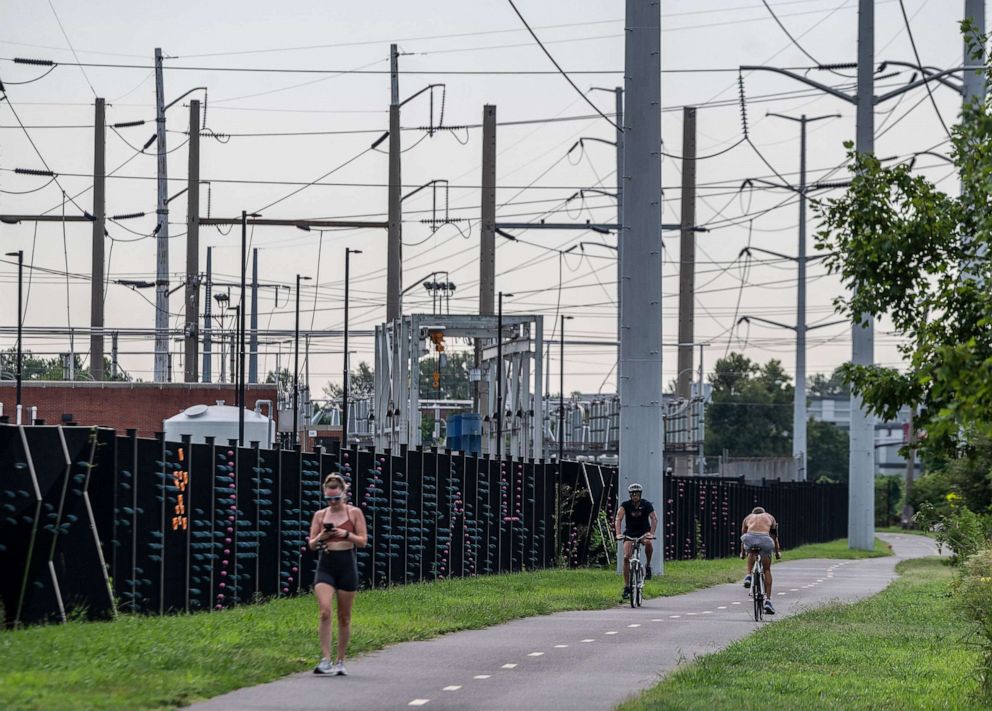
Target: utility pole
861	485
345	383
99	226
487	242
799	416
974	80
394	247
618	93
499	379
253	338
241	330
190	334
207	331
296	364
687	270
641	428
161	231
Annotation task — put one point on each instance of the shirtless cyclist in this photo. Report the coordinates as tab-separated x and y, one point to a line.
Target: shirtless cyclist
760	529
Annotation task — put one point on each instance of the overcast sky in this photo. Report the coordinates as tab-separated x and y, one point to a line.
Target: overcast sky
534	174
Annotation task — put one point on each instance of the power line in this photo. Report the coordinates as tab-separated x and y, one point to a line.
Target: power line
919	62
559	67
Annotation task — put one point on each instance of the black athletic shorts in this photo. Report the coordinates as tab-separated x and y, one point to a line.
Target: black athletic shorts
339	569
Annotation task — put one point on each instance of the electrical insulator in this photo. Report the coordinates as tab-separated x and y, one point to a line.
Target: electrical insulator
438	338
437	380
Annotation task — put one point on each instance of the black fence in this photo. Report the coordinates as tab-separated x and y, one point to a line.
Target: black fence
92	523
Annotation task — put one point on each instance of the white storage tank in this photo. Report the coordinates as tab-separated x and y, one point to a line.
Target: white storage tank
220	421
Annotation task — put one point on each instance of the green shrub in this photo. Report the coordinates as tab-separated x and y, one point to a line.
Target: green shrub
959	528
975	596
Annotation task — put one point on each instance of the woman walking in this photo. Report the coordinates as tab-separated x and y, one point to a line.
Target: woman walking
336	531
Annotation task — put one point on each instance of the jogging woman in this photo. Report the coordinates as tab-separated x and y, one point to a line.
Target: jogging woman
336	531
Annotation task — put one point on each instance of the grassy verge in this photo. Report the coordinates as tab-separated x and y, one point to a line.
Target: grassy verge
900	529
154	662
902	649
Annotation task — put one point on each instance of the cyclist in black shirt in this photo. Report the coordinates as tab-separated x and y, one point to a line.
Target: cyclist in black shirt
641	519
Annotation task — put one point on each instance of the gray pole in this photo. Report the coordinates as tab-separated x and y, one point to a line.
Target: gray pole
499	379
296	368
487	244
394	247
618	92
641	428
861	488
687	256
193	245
99	225
253	337
114	367
207	333
241	331
162	232
799	394
974	80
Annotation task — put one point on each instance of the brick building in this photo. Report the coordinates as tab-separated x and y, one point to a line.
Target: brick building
142	406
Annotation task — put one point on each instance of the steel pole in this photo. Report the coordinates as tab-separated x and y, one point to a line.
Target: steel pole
161	231
394	243
499	379
192	301
641	423
296	368
99	220
241	330
861	486
799	393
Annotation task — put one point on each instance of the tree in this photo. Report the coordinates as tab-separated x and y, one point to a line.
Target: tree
907	251
284	378
34	368
821	385
751	409
453	381
827	451
362	382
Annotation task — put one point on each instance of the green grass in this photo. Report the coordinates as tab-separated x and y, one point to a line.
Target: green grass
153	662
900	529
902	649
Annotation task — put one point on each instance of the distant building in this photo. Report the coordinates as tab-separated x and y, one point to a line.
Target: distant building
889	436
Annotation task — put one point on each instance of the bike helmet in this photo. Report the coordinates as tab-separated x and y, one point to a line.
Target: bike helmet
635	488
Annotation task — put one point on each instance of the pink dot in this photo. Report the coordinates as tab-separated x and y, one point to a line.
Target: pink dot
222	585
289	580
223	573
219	607
293	569
286	590
227	540
227	551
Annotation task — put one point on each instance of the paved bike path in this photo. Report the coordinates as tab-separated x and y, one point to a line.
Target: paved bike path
584	660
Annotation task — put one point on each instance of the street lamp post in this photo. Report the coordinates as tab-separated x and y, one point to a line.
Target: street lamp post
296	364
20	321
345	382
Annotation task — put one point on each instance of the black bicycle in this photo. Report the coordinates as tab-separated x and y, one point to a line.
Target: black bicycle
758	584
636	571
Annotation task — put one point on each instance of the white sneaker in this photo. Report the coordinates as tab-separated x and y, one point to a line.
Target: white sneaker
324	667
339	669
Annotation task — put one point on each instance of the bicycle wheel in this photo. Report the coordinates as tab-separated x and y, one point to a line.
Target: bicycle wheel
635	574
758	593
639	590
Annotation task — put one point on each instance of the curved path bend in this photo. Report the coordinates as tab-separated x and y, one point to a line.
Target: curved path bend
589	659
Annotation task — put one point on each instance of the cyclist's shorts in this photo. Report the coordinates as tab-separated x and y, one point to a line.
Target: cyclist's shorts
761	540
